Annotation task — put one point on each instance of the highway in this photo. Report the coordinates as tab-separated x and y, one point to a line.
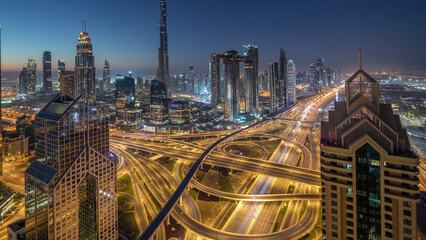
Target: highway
304	225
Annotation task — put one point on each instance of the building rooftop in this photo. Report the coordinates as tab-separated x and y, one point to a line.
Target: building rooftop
41	171
57	107
19	224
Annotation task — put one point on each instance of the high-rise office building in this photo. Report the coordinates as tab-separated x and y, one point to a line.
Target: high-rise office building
163	50
47	71
274	88
299	77
291	82
251	69
85	65
106	77
282	81
313	85
125	92
193	84
23	81
320	75
32	75
215	77
229	90
61	67
68	85
159	103
70	189
232	85
329	77
369	174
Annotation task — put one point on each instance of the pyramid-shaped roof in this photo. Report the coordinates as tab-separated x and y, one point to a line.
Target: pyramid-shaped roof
362	72
57	107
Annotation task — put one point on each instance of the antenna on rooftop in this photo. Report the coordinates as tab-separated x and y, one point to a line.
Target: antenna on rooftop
360	59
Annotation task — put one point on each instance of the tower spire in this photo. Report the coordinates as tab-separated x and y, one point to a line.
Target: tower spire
360	59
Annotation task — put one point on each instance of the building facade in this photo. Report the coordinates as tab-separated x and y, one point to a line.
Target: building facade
47	72
68	84
106	86
251	69
282	79
23	81
125	92
163	50
61	67
15	147
70	189
179	113
369	175
291	82
85	66
32	75
274	88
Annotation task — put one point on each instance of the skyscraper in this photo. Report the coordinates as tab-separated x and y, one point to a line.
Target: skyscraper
47	72
230	89
85	65
215	77
251	69
232	85
23	81
193	84
163	50
313	85
70	189
68	86
319	77
61	67
106	77
369	174
282	81
274	88
32	75
291	82
158	103
124	92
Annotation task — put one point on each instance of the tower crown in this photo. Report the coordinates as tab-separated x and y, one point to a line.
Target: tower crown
362	89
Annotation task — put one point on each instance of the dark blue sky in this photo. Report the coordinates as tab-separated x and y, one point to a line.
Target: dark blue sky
391	33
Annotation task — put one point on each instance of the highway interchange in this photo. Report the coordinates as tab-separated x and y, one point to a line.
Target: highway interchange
278	198
293	165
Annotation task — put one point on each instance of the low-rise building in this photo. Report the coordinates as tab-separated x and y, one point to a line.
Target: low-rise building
179	113
129	117
16	230
15	147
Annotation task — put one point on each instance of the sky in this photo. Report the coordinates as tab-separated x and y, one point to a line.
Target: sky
391	33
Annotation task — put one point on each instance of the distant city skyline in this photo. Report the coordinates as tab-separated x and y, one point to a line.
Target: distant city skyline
127	34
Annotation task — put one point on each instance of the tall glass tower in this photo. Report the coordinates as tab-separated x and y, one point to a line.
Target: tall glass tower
106	77
61	68
32	75
291	82
369	174
47	71
70	189
85	64
163	50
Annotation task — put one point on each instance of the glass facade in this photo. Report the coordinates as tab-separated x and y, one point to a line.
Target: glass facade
88	209
124	92
368	193
72	140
